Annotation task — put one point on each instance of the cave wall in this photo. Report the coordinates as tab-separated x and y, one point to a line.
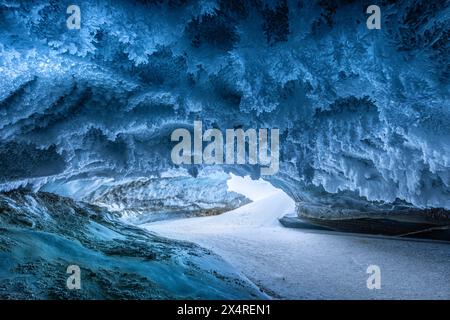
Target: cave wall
364	113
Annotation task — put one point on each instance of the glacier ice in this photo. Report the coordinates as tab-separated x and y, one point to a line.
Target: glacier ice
144	200
42	234
363	114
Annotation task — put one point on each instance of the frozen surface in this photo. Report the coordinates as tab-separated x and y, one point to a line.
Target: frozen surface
147	199
364	120
299	264
42	234
361	112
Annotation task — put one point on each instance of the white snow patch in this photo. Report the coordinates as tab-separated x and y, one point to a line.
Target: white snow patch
299	264
252	189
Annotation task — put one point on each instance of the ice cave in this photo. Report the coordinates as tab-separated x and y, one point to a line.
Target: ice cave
87	177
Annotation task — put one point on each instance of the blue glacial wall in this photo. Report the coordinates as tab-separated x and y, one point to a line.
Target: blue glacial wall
42	234
143	200
363	114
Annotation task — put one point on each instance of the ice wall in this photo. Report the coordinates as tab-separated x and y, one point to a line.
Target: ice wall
361	112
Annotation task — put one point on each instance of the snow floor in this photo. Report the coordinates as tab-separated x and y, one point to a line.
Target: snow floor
305	264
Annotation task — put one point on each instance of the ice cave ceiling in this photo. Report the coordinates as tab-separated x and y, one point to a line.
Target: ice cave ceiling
362	113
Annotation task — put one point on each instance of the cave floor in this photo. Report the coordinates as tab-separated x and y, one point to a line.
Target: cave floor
306	264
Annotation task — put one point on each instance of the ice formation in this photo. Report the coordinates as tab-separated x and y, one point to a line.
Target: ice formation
145	200
363	114
42	234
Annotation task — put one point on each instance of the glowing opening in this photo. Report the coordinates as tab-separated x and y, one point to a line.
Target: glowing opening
252	189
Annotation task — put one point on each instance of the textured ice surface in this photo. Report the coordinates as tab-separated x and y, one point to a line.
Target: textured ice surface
42	234
173	194
160	198
361	112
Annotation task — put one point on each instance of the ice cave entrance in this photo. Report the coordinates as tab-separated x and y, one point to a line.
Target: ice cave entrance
253	189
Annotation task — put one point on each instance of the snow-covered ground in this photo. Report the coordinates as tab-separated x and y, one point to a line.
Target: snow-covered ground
302	264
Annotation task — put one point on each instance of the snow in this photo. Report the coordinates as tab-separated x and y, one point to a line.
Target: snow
299	264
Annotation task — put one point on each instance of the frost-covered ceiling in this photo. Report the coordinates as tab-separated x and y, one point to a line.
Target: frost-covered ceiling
364	112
